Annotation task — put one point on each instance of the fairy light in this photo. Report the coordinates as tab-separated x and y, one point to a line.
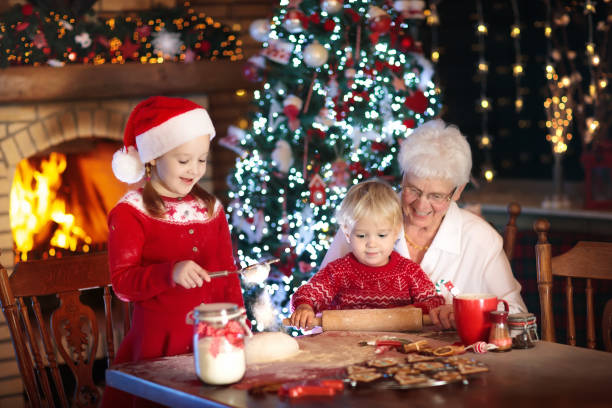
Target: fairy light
484	104
517	68
433	21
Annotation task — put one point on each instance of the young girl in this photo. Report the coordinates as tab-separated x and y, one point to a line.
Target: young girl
166	236
373	275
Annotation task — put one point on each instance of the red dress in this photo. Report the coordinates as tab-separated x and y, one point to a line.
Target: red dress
346	283
142	253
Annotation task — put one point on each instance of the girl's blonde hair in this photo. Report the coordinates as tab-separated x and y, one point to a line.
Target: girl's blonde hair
372	198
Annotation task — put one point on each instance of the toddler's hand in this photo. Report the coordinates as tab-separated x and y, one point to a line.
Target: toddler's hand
189	274
303	317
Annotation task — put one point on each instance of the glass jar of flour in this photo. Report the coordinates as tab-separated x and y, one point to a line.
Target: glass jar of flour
218	342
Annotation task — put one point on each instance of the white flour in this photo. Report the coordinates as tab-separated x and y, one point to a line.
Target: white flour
227	367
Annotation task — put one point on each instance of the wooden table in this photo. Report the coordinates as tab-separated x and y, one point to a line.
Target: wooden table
549	375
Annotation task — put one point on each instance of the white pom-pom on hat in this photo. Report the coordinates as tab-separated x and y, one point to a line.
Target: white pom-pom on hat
156	126
127	165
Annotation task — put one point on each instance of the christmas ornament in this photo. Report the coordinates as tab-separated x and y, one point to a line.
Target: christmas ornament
39	40
83	39
233	140
143	31
317	190
324	118
291	108
260	30
253	68
190	55
398	84
294	21
129	50
282	156
378	20
55	63
66	25
253	227
166	43
332	6
278	51
417	102
341	175
427	71
406	43
410	8
315	55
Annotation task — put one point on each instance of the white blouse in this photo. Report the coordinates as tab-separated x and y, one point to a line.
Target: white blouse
466	251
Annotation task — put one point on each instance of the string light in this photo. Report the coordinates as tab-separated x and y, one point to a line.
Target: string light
484	104
517	68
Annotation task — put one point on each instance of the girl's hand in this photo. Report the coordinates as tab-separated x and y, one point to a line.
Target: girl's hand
443	316
303	317
189	274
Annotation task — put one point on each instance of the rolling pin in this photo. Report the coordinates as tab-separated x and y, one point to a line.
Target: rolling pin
393	319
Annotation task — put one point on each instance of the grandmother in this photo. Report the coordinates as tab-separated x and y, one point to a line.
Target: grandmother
450	244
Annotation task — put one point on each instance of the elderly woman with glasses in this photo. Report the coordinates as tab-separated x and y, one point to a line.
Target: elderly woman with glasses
451	244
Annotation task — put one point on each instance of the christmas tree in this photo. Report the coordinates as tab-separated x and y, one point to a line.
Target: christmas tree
344	82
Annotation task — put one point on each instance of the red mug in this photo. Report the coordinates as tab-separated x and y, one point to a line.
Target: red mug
472	315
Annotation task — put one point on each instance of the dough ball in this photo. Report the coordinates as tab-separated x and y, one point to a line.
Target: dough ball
270	346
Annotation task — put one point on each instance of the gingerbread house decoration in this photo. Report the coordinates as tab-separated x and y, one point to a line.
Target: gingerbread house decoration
317	190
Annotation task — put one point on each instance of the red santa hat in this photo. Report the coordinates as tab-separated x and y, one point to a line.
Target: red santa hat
156	126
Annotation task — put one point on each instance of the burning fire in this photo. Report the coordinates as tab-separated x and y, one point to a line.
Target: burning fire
35	206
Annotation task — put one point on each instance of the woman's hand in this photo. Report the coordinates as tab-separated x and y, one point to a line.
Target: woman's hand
189	274
303	317
443	316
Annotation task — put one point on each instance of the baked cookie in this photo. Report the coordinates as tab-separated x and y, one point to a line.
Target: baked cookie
383	362
404	368
414	357
359	369
407	379
448	375
428	365
365	377
472	368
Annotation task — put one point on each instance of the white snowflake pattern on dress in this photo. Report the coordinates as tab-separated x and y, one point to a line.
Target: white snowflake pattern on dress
178	212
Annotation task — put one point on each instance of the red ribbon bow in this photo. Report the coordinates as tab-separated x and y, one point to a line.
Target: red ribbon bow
232	332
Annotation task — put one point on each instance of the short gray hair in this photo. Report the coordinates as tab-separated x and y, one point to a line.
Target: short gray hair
437	150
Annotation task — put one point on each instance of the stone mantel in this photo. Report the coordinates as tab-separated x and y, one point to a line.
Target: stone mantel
88	82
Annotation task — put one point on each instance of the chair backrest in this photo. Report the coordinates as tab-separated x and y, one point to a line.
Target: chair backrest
69	335
510	232
587	260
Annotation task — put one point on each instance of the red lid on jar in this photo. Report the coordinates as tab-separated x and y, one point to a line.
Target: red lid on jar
499	316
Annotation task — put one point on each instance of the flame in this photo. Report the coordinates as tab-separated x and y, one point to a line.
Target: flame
35	205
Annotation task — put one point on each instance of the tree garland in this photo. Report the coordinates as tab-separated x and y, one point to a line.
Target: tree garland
33	36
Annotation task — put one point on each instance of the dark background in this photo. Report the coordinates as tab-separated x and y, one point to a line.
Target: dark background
520	148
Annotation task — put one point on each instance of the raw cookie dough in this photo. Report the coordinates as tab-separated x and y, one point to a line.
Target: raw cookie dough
270	346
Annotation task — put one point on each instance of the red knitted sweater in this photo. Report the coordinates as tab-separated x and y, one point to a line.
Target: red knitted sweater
348	284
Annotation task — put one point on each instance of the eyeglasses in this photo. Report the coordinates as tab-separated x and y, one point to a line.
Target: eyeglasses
435	198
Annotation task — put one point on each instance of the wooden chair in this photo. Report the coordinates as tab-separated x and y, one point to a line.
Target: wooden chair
70	334
587	260
510	232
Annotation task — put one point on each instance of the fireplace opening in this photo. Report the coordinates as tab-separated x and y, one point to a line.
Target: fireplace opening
60	199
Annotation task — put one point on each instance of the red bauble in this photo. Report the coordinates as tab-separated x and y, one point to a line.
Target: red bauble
417	102
406	43
380	24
